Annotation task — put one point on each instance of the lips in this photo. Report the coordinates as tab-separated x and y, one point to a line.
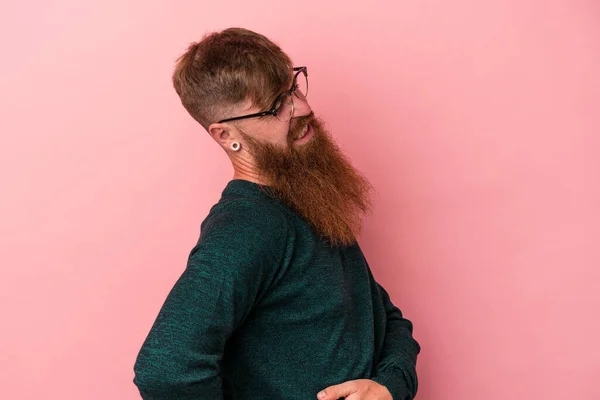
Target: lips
302	133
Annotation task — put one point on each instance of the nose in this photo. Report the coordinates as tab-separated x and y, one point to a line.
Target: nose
301	108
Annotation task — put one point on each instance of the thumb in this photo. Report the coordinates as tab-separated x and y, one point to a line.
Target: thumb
336	391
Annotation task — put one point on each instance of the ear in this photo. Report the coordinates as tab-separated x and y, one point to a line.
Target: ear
219	132
223	133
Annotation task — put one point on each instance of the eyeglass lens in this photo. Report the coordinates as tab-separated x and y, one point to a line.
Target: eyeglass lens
285	103
301	86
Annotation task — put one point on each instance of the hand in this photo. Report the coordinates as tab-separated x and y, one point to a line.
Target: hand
360	389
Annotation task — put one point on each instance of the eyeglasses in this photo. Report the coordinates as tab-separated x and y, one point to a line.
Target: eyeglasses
283	107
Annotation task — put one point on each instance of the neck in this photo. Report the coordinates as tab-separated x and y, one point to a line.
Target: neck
246	171
248	177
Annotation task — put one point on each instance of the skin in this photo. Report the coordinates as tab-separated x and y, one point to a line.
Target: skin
270	129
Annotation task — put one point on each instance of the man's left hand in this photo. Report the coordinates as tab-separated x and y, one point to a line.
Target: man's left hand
360	389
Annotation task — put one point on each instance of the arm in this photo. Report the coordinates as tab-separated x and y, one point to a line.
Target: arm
396	368
227	271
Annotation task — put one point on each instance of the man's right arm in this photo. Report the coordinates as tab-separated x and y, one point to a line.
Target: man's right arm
234	259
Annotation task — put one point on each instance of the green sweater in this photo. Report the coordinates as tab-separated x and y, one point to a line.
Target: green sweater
266	310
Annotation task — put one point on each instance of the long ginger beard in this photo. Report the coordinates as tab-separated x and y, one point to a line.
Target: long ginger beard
316	180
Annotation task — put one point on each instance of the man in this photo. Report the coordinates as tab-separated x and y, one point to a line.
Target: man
277	300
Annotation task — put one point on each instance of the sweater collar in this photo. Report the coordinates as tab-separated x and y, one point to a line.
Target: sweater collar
244	188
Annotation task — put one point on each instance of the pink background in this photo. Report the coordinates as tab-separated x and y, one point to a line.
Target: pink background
477	123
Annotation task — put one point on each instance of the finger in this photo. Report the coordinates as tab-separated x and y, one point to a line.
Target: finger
336	391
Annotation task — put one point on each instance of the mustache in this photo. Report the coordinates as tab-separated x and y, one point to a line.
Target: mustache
299	123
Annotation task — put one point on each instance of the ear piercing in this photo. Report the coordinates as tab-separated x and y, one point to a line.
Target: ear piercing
235	146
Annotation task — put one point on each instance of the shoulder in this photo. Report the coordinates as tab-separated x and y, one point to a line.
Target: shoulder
244	226
245	216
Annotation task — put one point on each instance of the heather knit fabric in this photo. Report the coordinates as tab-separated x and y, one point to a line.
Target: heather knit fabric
265	309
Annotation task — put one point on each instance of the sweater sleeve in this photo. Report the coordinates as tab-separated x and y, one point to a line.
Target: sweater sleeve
396	368
237	254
